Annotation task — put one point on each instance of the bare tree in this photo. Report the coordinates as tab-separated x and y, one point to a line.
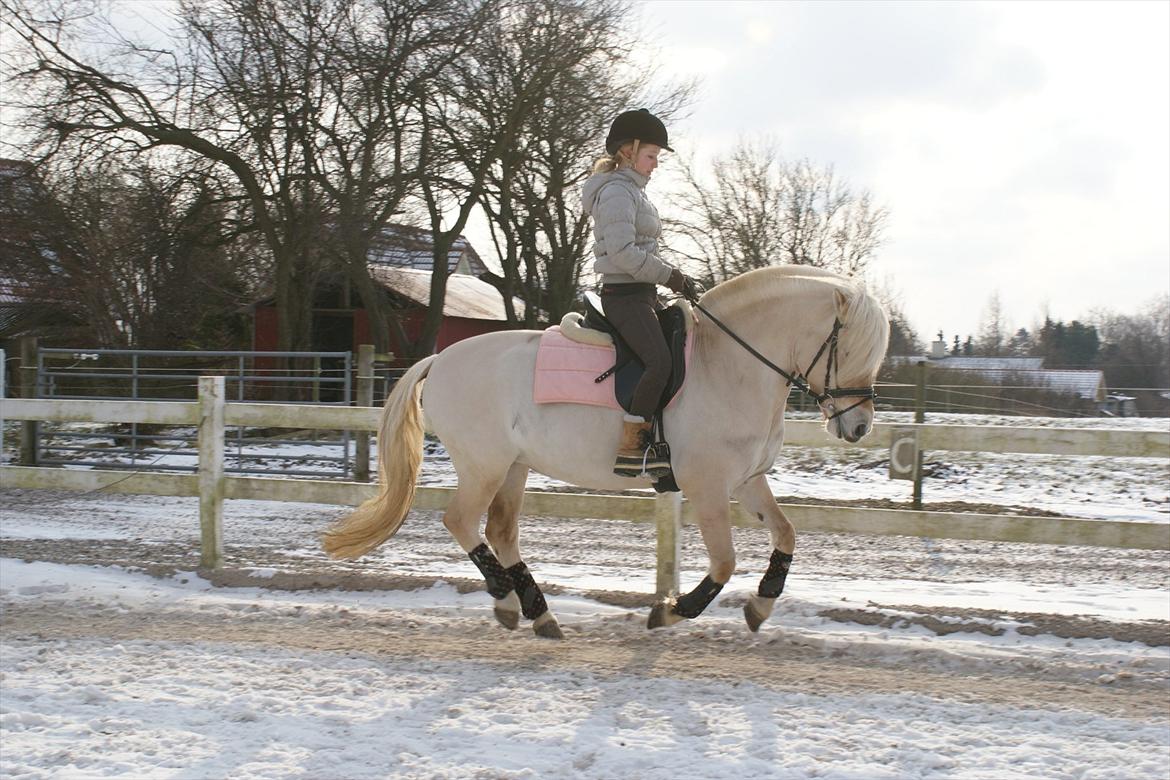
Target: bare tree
131	99
477	127
755	209
532	197
1135	351
903	338
335	89
134	257
316	107
993	336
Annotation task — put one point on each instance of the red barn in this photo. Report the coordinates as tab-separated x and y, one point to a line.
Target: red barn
400	261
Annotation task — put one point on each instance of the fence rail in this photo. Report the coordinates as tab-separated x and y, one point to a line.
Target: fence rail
798	433
210	484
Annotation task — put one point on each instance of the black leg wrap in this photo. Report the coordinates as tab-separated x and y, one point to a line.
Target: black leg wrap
693	604
772	585
532	602
498	581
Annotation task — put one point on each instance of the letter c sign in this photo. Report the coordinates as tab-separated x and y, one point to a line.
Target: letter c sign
904	453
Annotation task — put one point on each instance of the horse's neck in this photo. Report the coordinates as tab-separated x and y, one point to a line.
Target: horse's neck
776	328
783	328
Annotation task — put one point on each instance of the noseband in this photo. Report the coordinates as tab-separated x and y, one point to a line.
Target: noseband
798	379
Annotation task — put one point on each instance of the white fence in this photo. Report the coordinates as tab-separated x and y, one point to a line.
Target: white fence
211	415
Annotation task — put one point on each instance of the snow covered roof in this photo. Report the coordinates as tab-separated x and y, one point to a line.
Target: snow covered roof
993	363
1087	384
973	363
1084	384
10	291
467	296
410	247
1028	371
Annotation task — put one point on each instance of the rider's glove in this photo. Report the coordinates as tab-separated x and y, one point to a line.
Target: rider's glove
682	284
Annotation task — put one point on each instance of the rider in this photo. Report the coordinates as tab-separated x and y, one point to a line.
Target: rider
626	228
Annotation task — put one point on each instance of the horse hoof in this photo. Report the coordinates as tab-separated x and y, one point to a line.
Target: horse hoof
546	626
507	618
662	615
507	611
754	619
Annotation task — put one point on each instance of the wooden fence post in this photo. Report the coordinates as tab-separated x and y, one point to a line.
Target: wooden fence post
3	395
211	478
919	417
365	397
30	429
668	519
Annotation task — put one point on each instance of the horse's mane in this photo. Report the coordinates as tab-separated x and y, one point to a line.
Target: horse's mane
866	327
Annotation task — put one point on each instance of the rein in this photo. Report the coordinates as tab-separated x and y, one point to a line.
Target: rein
798	380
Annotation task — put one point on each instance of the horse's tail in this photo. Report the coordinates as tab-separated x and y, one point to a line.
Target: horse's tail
400	438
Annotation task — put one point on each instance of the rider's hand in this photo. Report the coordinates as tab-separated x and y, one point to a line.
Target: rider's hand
683	285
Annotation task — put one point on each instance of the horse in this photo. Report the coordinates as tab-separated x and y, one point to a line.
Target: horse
758	333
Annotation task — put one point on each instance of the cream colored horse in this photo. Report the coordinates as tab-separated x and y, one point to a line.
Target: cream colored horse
725	431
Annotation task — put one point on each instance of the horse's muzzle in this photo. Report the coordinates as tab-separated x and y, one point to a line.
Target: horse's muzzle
857	433
850	433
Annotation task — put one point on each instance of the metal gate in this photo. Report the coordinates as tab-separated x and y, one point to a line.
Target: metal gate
173	375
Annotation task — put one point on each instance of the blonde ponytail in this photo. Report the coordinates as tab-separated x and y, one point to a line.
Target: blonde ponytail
619	159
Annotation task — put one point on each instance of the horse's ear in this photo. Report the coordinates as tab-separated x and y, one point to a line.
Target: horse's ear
842	301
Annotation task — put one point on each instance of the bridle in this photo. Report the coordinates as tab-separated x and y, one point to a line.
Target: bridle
827	399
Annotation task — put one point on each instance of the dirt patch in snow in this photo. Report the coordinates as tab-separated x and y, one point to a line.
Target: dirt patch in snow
324	575
953	620
620	646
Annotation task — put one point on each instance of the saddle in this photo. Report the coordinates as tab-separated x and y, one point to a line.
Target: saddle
627	368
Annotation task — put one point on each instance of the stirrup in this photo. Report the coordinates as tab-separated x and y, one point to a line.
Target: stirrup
654	467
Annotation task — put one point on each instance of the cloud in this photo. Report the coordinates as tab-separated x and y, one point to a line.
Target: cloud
1017	145
833	59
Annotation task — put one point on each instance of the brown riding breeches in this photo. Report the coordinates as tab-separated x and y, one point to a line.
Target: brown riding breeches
633	311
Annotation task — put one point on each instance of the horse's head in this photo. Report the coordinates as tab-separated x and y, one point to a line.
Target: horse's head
811	308
855	353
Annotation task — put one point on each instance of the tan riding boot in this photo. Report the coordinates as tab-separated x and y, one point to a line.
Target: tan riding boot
636	455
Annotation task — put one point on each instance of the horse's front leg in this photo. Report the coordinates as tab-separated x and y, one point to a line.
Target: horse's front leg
756	496
715	525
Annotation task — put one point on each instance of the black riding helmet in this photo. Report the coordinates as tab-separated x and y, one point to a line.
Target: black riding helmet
640	125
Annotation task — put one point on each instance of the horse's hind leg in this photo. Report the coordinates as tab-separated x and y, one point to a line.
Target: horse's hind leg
756	496
503	533
462	517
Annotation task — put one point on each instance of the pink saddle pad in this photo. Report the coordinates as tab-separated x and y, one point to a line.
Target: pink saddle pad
565	371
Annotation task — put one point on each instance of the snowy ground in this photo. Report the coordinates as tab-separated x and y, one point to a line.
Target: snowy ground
888	657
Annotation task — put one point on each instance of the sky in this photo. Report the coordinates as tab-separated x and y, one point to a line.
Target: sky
1022	149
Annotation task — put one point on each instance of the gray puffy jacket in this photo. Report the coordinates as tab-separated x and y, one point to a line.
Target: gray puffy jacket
625	228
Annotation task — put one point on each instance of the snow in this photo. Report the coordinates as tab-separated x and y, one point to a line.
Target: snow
181	708
117	659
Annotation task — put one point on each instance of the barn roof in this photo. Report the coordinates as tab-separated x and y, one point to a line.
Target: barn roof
404	246
989	363
1028	371
1087	384
467	296
1084	384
